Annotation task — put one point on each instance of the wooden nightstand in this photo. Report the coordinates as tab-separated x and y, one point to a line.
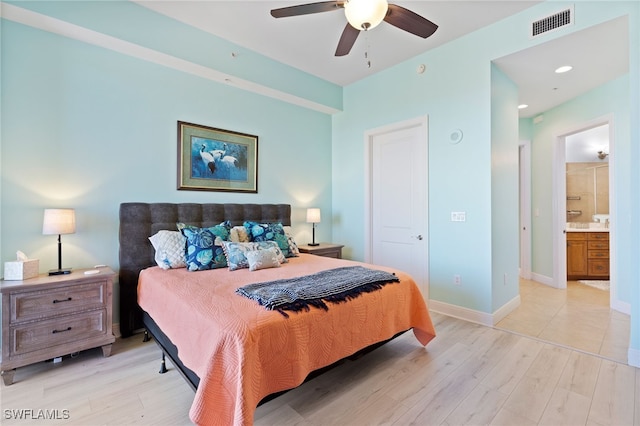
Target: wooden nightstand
51	316
324	249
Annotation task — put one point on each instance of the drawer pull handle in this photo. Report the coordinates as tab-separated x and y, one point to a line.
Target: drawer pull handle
61	331
68	299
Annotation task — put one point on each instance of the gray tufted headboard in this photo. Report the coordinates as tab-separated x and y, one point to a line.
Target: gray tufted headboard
138	221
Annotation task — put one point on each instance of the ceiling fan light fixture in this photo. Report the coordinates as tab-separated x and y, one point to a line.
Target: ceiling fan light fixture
365	14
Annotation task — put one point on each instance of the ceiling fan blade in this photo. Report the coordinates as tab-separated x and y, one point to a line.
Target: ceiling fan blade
307	9
409	21
347	40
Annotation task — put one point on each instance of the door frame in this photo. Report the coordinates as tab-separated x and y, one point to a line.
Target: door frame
560	207
524	164
369	136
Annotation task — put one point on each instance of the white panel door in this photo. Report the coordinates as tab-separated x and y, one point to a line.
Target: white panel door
399	199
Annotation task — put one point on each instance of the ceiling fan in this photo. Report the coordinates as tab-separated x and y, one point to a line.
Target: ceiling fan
363	15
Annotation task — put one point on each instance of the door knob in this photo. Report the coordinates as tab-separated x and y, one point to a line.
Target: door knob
419	237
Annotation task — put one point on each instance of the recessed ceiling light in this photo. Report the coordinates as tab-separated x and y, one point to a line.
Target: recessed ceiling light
564	68
523	106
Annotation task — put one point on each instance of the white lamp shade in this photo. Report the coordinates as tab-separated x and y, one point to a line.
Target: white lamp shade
365	14
313	215
59	221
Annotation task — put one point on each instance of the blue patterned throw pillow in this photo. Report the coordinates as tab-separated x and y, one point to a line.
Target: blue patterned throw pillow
269	232
203	249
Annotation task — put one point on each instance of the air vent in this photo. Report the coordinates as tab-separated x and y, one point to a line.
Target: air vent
553	22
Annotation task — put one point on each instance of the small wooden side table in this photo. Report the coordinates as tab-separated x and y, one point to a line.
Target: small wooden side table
323	249
51	316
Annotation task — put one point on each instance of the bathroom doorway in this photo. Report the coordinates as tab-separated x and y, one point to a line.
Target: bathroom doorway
587	187
583	185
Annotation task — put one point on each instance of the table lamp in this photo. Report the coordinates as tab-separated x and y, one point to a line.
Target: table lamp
58	222
313	217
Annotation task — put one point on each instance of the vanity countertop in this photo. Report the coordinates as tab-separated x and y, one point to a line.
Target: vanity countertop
587	227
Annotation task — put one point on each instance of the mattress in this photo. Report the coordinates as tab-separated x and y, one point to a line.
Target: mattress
243	352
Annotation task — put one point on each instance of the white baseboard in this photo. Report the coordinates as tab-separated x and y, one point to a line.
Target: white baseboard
461	313
620	306
543	279
472	315
506	309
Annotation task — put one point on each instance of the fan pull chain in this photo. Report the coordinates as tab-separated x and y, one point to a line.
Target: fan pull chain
366	51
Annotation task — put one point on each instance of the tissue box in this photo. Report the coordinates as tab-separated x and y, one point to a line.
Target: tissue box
21	270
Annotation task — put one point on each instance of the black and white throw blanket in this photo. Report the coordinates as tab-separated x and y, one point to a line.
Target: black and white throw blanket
333	285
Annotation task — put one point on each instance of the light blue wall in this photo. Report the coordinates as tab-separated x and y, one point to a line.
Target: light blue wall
612	99
89	128
619	99
86	127
129	21
505	246
455	92
459	175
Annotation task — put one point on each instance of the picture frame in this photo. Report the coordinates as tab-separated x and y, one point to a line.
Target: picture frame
211	159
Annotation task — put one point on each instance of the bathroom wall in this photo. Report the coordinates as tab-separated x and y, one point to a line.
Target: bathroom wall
587	191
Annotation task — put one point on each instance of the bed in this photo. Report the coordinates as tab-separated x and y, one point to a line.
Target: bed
234	352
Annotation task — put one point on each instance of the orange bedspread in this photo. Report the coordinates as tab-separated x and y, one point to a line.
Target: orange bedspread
243	352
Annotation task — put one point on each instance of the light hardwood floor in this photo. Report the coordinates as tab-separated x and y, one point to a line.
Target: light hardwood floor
468	375
578	317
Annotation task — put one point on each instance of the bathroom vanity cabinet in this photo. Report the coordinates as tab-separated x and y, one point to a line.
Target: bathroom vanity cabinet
587	256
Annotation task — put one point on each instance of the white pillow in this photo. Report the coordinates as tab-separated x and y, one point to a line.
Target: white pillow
262	259
169	246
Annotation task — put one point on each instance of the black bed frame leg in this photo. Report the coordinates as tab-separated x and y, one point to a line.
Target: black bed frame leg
146	337
163	365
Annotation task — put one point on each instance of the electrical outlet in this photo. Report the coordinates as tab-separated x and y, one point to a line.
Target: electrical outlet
457	280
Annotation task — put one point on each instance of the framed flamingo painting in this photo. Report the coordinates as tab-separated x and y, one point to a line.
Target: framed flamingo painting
211	159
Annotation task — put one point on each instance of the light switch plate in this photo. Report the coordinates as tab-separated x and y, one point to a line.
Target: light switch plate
458	216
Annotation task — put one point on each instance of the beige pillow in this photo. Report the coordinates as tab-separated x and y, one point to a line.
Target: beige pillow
262	259
238	234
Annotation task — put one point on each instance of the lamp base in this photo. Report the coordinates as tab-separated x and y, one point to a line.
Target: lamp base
59	271
313	244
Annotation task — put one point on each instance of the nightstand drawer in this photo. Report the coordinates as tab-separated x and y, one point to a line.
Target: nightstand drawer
335	253
48	303
55	315
62	330
323	249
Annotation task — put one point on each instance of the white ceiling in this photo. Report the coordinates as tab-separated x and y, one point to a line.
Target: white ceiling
308	42
597	54
583	147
